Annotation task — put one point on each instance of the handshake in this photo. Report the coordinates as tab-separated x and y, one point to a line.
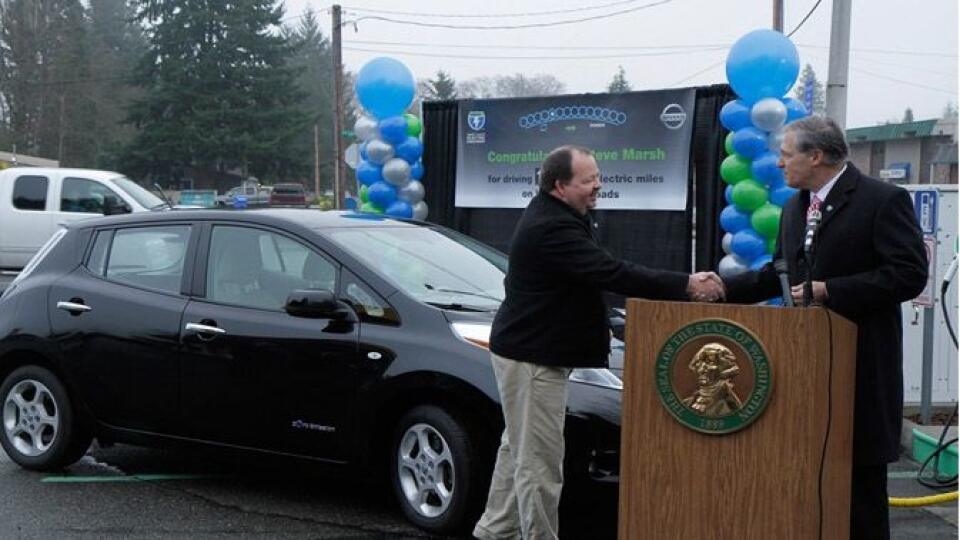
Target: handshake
706	287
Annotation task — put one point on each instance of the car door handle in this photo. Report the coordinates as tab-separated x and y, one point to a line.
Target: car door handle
204	329
74	307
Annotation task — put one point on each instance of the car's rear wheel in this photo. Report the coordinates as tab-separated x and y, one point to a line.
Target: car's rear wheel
435	470
40	427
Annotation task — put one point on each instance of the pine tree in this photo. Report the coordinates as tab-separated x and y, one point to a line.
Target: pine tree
219	91
443	87
819	97
908	115
619	83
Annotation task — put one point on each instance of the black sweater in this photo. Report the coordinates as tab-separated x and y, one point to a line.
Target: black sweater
554	313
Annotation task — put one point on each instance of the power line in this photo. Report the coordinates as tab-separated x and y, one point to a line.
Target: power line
509	27
908	83
704	70
487	57
807	16
489	15
537	47
884	51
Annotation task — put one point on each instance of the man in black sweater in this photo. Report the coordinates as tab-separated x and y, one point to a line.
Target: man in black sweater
554	319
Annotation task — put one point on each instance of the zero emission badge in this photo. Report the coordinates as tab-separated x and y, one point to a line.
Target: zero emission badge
713	376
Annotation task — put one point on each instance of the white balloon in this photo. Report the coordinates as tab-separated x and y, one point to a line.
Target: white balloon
732	265
726	243
774	140
379	151
412	192
768	114
396	171
420	211
366	128
351	156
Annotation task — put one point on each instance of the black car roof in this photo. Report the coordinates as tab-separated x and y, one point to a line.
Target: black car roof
300	217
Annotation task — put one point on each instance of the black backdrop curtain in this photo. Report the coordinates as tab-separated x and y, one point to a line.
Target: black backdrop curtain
660	239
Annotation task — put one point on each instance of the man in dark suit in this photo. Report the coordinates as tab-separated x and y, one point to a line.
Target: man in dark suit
554	319
867	258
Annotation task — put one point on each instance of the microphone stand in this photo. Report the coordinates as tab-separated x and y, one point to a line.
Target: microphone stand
812	222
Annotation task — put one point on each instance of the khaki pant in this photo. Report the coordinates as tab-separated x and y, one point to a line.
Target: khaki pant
528	477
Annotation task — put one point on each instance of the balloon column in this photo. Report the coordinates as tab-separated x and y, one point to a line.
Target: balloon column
390	169
761	67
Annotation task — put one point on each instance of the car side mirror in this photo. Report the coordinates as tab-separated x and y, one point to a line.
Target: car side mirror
112	206
314	304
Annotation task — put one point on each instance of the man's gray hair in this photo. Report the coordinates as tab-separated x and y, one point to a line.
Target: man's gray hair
820	133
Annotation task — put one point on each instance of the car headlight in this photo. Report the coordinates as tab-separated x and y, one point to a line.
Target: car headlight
598	377
473	333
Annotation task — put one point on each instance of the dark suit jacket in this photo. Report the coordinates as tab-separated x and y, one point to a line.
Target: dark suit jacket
554	312
869	251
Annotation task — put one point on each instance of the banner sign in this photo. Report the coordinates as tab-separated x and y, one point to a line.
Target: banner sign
641	141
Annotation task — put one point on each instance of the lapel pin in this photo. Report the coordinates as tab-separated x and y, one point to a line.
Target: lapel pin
829	207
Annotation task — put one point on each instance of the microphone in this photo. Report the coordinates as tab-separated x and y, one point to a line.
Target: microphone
780	266
813	221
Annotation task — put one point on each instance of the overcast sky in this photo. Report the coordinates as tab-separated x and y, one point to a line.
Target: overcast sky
903	54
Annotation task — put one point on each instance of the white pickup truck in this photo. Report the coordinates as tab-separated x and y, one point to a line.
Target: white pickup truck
34	201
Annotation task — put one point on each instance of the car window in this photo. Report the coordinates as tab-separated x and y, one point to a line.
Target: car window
30	193
97	261
367	303
88	196
257	268
151	257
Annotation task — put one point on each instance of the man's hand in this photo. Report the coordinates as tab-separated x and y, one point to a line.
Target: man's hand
819	293
705	287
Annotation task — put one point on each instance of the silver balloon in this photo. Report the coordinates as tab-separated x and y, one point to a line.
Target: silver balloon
379	151
366	128
732	265
768	114
774	140
396	171
726	243
420	211
351	156
412	192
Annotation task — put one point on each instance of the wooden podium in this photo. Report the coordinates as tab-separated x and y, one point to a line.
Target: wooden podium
782	471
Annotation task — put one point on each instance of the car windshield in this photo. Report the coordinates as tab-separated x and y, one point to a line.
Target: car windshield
435	266
143	197
288	190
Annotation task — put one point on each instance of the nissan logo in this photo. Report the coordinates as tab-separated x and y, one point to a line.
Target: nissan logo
673	116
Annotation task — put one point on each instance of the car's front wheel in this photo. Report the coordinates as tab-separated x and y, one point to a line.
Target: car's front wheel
40	427
435	470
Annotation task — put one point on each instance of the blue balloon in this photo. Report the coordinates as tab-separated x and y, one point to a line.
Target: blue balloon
781	195
765	170
733	220
350	203
369	173
399	209
394	129
363	151
416	170
760	261
735	115
728	194
748	244
775	301
795	109
382	194
410	150
385	87
762	64
750	142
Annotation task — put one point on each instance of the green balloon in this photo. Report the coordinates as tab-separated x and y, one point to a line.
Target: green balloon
371	208
414	126
748	195
772	245
766	220
734	169
728	144
364	194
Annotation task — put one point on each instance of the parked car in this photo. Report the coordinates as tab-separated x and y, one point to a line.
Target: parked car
352	340
255	194
34	201
288	195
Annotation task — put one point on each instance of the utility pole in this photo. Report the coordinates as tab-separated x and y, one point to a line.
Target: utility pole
316	160
839	62
338	170
778	15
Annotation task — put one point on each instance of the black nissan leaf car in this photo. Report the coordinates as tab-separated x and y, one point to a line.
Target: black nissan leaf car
353	340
